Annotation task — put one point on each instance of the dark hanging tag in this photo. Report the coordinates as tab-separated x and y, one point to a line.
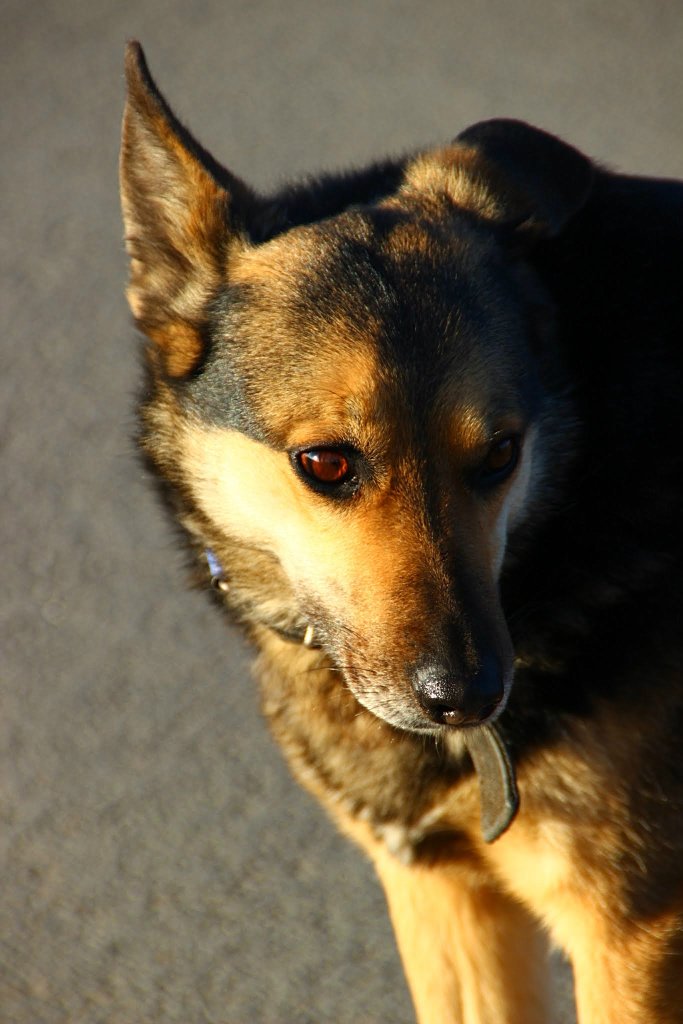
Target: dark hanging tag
497	783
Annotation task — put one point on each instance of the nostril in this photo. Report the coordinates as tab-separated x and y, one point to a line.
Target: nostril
451	716
449	699
440	694
440	712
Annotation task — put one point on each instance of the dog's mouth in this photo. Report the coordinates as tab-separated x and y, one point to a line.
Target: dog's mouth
476	732
434	702
428	693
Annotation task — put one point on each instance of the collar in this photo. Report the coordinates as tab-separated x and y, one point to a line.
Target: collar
220	582
490	756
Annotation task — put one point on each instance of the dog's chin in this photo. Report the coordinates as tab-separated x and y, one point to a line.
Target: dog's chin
399	714
408	719
397	706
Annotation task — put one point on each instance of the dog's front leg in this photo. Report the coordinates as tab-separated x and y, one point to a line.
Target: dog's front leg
471	954
627	972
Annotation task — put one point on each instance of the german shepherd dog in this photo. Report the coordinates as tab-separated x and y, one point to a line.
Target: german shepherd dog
422	426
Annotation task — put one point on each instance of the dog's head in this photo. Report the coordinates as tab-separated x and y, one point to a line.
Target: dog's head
350	392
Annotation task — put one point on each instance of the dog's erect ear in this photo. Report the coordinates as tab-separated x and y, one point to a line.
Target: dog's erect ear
183	215
510	174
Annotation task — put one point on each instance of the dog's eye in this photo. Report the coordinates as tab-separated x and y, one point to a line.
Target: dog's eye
501	459
328	466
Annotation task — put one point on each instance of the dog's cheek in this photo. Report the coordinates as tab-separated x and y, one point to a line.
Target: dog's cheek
510	512
250	492
343	562
247	490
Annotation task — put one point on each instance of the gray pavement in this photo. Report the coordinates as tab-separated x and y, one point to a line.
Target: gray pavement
157	863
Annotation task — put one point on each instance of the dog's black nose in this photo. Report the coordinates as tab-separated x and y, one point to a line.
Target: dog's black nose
450	699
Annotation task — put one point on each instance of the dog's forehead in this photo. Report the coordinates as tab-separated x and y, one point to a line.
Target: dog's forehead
348	320
374	268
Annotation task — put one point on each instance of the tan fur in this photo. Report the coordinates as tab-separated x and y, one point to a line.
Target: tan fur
452	172
169	196
363	564
472	955
404	569
627	978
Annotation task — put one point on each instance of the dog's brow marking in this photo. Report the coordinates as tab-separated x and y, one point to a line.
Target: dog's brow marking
329	369
335	399
469	427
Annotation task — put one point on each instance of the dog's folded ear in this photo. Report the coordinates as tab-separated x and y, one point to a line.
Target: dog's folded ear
514	176
183	215
548	181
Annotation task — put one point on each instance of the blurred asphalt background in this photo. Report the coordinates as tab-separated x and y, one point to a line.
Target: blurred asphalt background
157	863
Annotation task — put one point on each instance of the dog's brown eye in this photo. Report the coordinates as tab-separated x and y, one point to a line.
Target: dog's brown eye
500	455
501	459
326	465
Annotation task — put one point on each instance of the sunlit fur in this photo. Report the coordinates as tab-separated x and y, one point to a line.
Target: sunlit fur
413	314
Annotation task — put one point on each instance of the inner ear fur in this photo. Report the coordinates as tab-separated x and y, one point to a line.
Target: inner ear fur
183	215
507	173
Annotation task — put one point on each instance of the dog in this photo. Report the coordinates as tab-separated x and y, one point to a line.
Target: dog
421	426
